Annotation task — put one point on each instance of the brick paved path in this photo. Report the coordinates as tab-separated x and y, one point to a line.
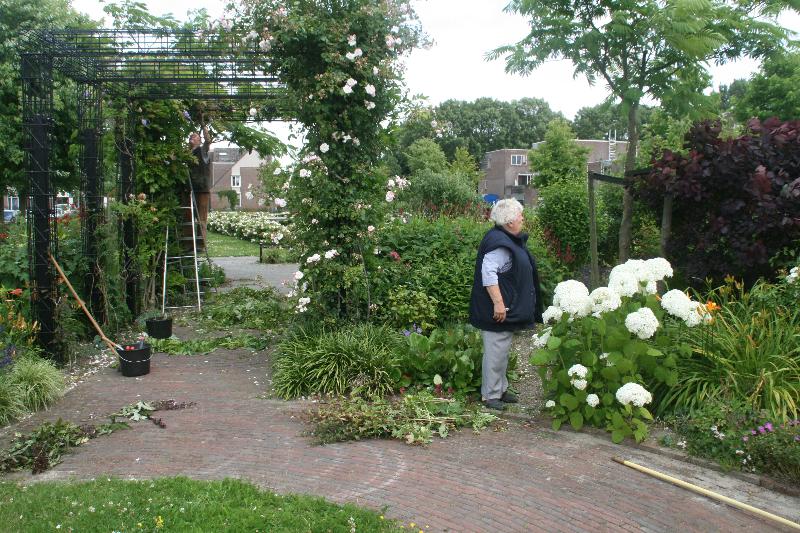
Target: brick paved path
522	479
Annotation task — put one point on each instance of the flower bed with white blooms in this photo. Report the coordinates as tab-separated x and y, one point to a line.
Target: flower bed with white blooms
250	226
603	349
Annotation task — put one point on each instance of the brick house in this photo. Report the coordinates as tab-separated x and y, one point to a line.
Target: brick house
508	175
235	169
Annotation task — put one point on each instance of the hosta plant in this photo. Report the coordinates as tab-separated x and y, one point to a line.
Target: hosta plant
605	347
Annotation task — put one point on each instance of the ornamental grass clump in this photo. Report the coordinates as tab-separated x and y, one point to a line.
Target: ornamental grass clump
11	406
356	359
605	349
38	382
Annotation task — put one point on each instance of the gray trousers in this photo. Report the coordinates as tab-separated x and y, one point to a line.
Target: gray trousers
496	345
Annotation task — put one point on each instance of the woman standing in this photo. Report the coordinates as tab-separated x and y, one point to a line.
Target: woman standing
506	297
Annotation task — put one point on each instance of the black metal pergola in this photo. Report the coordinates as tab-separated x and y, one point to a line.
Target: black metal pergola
121	64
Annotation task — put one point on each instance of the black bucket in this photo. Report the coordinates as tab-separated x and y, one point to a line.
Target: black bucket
134	361
159	328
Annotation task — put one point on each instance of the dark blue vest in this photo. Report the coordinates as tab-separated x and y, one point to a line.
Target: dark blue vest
519	286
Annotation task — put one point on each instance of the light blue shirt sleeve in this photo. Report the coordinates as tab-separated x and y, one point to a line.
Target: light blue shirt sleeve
495	262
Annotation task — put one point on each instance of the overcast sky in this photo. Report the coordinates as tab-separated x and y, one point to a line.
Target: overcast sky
463	31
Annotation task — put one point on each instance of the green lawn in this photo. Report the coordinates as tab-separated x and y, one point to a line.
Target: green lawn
174	504
224	246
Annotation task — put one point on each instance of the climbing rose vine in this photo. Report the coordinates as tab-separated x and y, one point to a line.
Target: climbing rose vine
339	61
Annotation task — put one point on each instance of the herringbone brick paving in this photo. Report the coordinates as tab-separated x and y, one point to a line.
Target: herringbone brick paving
519	479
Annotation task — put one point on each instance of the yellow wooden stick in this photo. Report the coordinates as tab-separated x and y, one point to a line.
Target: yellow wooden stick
710	494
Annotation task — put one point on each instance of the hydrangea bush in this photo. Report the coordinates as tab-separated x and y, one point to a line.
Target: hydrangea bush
602	348
339	63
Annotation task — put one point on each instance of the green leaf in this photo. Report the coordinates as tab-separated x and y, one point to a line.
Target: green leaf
541	357
644	413
617	422
576	420
589	359
608	399
553	342
617	436
569	401
610	373
654	353
556	424
633	349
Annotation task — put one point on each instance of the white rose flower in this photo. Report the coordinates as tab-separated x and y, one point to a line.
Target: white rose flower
248	195
642	323
280	202
324	148
330	254
389	196
633	393
375	71
369	105
550	404
253	111
304	173
593	400
313	259
276	171
298	275
351	40
347	89
302	303
370	89
351	82
265	45
370	228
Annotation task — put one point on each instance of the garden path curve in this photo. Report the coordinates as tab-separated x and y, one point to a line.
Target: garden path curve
525	478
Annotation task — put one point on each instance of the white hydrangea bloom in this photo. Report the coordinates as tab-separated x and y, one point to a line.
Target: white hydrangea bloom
676	303
623	280
642	323
540	340
633	393
572	297
577	370
604	300
551	314
579	384
794	273
593	400
657	269
549	404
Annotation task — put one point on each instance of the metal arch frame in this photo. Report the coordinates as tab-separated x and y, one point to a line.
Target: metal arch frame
155	64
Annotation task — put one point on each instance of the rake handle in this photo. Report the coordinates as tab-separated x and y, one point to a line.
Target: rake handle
97	327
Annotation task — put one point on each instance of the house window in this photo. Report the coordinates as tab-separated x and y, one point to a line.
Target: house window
518	160
236	181
523	180
13	202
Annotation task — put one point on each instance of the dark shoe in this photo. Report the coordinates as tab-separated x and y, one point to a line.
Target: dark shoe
509	397
495	404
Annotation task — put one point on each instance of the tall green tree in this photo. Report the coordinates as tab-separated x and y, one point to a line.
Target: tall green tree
597	122
774	91
17	19
656	48
559	158
488	124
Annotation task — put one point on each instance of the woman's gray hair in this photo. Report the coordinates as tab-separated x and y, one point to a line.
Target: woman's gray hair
505	211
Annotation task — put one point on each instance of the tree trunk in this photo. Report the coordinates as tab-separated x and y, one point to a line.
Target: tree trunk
627	198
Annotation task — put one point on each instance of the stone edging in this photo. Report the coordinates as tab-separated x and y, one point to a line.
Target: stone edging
755	479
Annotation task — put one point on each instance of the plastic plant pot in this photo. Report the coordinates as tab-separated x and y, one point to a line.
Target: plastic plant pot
134	359
159	328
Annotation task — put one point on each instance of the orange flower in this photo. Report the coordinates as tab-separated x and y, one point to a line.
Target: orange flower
711	306
15	292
